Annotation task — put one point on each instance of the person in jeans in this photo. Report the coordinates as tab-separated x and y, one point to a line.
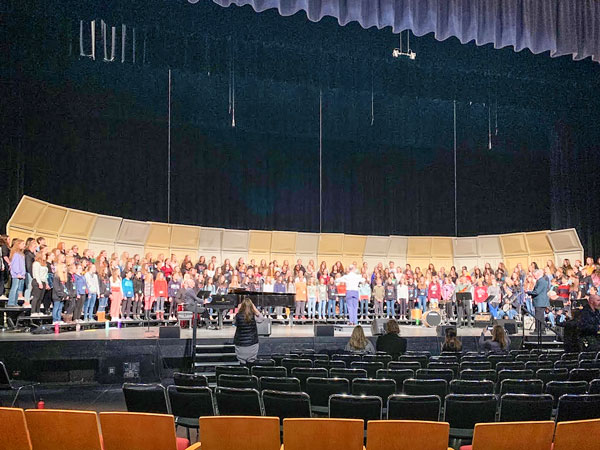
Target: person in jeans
390	298
17	271
331	295
378	294
29	253
59	292
93	284
312	295
323	298
82	291
364	295
128	294
40	278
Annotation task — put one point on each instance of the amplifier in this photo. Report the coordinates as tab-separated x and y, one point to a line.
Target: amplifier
482	320
168	333
510	325
441	330
324	330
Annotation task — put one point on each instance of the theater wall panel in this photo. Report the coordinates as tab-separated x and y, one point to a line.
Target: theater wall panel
210	239
307	244
331	244
97	247
280	257
398	247
329	259
233	256
563	241
465	247
489	246
571	256
155	251
181	253
470	262
257	256
442	247
260	242
513	244
106	229
120	248
512	261
420	262
78	224
235	241
283	242
418	247
538	243
133	232
372	261
159	235
51	220
70	242
377	246
494	261
354	245
439	262
185	236
541	259
20	233
27	213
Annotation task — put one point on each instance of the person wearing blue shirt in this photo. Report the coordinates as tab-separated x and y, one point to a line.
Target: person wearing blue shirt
128	293
539	297
82	290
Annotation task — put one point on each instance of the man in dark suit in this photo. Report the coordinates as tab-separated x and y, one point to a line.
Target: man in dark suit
391	342
539	297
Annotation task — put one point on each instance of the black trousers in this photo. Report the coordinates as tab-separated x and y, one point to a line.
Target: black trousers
540	321
79	307
47	300
465	308
37	293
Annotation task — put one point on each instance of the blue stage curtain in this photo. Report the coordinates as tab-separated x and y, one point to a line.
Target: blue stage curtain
562	27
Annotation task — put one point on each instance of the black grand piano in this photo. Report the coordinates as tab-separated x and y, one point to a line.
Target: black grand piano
231	300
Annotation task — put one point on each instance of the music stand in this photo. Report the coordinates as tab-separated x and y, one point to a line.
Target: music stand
463	297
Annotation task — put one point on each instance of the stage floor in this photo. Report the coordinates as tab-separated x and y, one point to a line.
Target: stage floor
227	332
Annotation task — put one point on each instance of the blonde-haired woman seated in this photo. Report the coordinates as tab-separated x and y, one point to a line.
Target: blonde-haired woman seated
359	343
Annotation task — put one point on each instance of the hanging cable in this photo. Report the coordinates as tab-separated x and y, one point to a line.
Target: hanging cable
320	160
455	179
489	125
372	98
169	154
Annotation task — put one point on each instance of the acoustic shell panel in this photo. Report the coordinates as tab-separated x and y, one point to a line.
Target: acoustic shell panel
185	236
439	262
181	253
258	257
563	241
78	224
152	252
331	244
377	246
418	247
511	262
465	247
159	235
468	261
133	233
97	247
27	213
260	242
131	249
489	246
571	256
283	242
210	239
307	244
538	243
513	244
82	244
398	247
20	233
442	248
354	245
106	229
281	257
51	220
235	240
541	259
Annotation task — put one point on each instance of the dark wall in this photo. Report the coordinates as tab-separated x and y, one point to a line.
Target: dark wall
93	134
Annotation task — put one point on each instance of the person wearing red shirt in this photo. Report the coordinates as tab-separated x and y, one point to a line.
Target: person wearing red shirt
434	293
480	294
160	294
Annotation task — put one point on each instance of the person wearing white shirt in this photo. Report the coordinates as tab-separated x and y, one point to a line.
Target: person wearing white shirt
352	280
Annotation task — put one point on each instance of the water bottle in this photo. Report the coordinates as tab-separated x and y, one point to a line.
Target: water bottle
56	328
107	325
41	404
77	328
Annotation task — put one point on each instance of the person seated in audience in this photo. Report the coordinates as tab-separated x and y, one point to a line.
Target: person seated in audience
499	342
451	342
359	343
391	342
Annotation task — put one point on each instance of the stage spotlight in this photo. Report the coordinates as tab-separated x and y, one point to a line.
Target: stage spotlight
398	52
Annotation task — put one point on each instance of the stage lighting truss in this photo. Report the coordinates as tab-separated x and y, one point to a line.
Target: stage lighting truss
400	52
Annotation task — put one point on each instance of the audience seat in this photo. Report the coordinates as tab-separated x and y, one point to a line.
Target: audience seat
286	404
322	434
189	379
285	384
402	365
430	435
148	398
268	371
56	429
238	402
290	363
189	403
481	375
303	373
511	436
463	411
548	375
231	370
397	375
240	432
472	387
139	431
381	387
511	386
578	407
435	374
413	386
363	407
584	374
414	407
370	367
525	407
238	381
348	374
579	435
13	429
320	389
559	388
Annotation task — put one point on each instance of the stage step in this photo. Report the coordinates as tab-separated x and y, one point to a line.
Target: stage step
208	357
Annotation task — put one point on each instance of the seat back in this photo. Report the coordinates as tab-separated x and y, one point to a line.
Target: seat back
559	388
589	364
472	374
13	429
238	402
401	365
435	374
380	387
189	379
320	389
536	365
324	434
578	407
286	404
510	386
495	359
509	436
526	358
54	429
286	384
465	410
525	374
452	359
5	382
231	370
413	386
364	407
454	367
576	435
594	387
238	381
414	407
510	365
347	358
567	364
348	374
586	355
431	435
475	365
397	375
290	363
330	364
239	432
262	361
148	398
423	360
370	367
471	387
382	358
302	373
547	375
137	431
269	371
584	374
525	407
190	401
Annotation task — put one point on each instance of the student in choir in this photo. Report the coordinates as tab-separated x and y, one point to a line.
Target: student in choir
413	302
173	289
82	290
390	297
323	298
104	290
138	295
39	272
71	298
480	295
279	288
128	294
495	302
364	296
378	295
312	295
116	295
161	290
59	292
331	296
17	271
422	293
301	295
148	293
447	296
47	297
402	297
341	292
93	285
434	292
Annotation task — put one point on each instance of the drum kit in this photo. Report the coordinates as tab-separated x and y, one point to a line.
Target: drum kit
430	319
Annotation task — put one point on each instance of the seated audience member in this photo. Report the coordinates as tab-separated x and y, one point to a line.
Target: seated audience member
451	343
358	342
500	342
391	342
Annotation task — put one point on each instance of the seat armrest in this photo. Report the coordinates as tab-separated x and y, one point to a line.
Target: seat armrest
195	446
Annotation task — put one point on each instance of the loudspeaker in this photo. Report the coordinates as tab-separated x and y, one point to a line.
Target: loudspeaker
443	329
168	332
324	330
482	320
264	327
378	327
510	325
